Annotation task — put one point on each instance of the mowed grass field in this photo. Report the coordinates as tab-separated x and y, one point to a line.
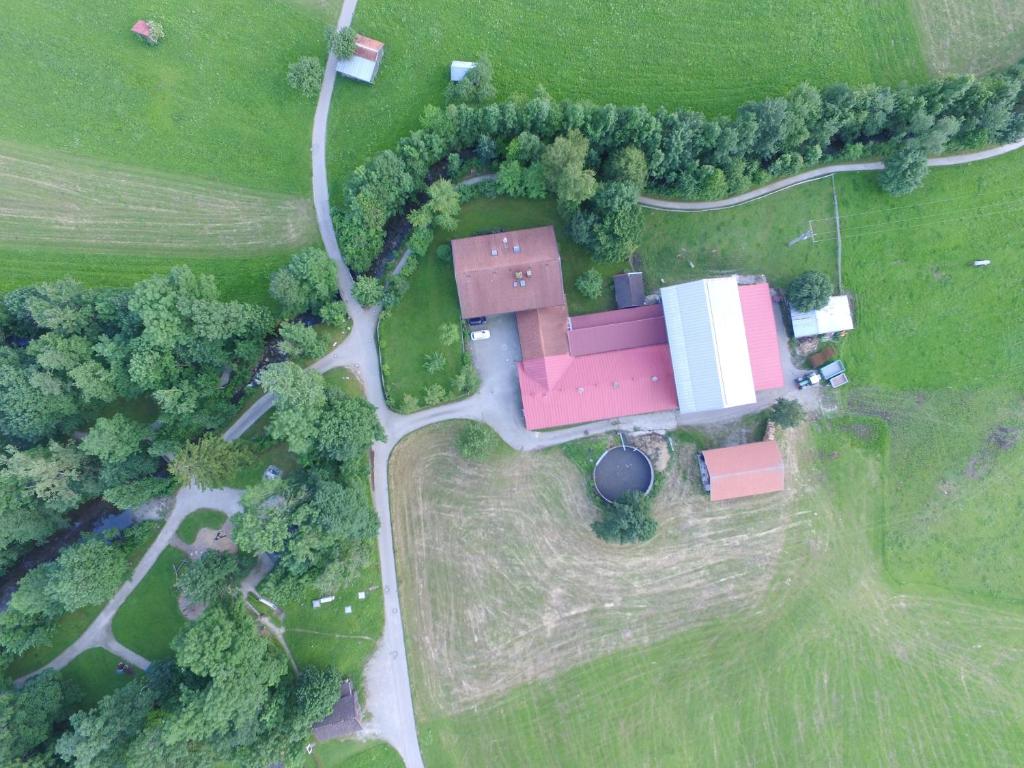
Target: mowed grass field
824	663
111	226
709	55
970	36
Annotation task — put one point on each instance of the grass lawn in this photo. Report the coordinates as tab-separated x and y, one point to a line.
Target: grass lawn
201	518
95	673
710	55
970	37
203	103
345	380
814	660
327	636
150	618
354	754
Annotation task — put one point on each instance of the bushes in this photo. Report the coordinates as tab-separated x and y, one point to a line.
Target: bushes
809	291
590	284
627	520
477	441
475	88
367	290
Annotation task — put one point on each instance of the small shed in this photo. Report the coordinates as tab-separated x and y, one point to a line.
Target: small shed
629	290
143	29
834	317
742	470
364	64
343	719
460	69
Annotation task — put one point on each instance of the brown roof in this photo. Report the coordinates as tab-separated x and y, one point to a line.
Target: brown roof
543	331
745	470
618	329
508	272
368	48
343	719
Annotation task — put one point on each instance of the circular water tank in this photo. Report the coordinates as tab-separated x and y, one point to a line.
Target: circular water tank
620	470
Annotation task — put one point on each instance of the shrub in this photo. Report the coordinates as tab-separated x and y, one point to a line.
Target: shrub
434	394
342	42
627	520
156	32
444	253
434	362
367	290
305	76
809	291
449	333
786	413
475	88
410	403
477	441
590	284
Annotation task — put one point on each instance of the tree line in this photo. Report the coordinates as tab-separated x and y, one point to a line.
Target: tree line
595	159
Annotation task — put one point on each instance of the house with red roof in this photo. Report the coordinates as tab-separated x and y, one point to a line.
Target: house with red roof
709	344
364	64
742	470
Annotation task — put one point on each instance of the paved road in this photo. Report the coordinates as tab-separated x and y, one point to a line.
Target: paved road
818	173
99	634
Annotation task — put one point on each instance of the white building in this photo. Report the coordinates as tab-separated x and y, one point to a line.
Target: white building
365	63
460	69
834	317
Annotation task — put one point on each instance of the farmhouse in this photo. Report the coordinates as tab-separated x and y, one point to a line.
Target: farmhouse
364	64
742	470
709	344
834	317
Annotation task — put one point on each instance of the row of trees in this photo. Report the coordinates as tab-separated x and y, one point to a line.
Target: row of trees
594	158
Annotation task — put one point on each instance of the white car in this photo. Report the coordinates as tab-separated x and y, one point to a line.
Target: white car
480	335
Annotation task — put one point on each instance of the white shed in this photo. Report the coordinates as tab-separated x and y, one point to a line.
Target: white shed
834	317
460	69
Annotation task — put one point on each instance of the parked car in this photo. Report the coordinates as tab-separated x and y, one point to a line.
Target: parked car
476	320
479	335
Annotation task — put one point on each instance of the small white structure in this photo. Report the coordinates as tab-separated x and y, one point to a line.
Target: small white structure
460	69
365	63
834	317
323	600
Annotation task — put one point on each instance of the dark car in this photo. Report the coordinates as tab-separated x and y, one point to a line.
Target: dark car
476	320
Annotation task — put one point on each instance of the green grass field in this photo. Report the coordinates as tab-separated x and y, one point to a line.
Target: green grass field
150	618
327	636
970	37
201	518
354	754
94	672
705	55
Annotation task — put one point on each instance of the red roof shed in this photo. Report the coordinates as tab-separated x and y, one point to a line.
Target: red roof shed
141	28
743	470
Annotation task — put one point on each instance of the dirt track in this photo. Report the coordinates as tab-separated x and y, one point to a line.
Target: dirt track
511	585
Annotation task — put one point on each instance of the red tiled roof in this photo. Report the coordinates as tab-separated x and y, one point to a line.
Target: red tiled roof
562	390
745	470
368	48
525	272
618	329
762	336
542	331
141	27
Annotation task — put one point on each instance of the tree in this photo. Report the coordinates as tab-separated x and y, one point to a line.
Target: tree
628	520
905	169
590	284
565	171
49	477
28	716
209	462
348	426
809	291
301	399
444	204
477	441
100	737
342	42
449	334
305	76
367	290
475	88
88	573
114	440
611	223
434	362
209	577
786	413
306	283
300	340
334	314
629	166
